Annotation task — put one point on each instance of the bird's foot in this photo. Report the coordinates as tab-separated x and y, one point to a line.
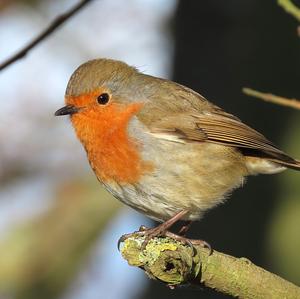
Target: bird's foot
160	231
147	233
189	242
124	237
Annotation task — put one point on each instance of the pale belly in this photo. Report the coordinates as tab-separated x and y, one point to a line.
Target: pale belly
192	177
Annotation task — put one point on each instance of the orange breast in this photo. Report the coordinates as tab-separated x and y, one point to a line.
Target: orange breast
113	154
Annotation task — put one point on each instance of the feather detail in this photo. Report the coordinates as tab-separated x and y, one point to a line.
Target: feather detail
225	129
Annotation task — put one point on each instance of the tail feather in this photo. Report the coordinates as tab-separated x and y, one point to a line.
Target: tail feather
278	157
294	164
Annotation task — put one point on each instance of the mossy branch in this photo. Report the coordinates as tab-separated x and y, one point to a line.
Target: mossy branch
175	264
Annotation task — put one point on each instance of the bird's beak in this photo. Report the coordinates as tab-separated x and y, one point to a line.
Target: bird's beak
69	109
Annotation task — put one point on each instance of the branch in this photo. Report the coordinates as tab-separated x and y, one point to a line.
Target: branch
59	20
174	264
268	97
290	8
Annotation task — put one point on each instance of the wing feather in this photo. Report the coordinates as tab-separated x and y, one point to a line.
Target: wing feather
227	130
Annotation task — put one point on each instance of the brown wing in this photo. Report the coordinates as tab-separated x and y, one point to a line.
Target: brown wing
223	128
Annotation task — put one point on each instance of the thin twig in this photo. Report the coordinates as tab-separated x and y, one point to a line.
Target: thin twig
268	97
290	8
59	20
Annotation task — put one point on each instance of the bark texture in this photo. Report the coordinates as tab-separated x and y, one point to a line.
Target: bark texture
175	264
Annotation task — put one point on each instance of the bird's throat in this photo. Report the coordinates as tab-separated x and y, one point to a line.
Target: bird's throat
113	154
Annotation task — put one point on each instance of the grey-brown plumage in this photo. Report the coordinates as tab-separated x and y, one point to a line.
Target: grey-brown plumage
198	152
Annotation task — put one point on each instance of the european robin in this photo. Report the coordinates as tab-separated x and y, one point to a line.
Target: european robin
160	147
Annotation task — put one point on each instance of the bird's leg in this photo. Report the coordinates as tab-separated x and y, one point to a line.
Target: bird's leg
163	227
185	228
162	230
181	237
150	233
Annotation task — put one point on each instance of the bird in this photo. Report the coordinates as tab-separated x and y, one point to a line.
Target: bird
160	147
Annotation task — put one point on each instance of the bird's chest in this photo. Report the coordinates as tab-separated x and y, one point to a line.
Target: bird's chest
116	158
160	178
113	154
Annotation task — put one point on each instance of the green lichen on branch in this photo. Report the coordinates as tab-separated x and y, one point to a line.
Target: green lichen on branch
174	263
290	8
163	259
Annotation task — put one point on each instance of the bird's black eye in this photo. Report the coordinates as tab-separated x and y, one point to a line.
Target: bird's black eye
103	98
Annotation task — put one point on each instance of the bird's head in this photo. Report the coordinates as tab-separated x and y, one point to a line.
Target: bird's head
98	85
101	95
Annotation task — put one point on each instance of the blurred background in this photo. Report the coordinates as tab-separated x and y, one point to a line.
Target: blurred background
58	227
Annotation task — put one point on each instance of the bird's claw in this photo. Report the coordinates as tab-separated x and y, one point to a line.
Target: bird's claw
143	228
121	240
141	232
